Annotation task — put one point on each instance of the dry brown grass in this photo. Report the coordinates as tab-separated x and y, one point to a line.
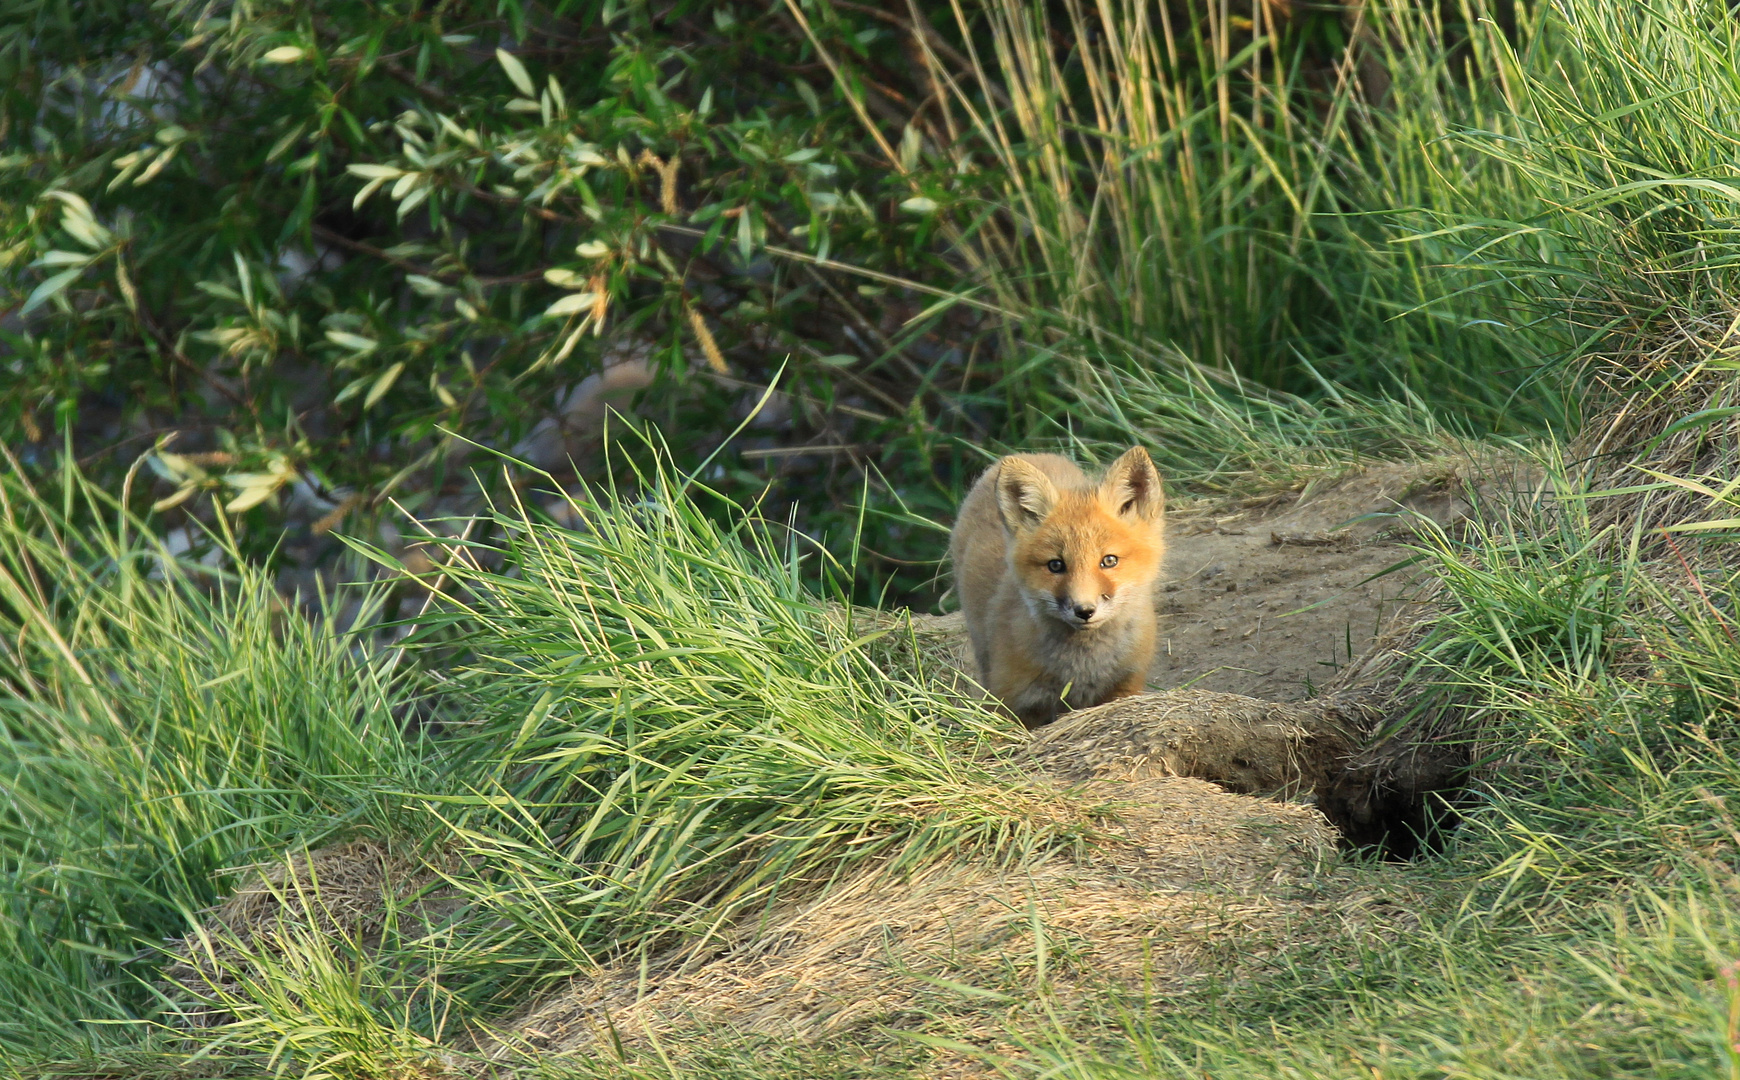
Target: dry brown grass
1644	391
347	892
1176	867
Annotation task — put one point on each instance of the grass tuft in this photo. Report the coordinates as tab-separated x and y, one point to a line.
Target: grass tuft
668	730
160	722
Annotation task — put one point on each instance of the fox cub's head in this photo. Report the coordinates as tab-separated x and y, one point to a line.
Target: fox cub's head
1083	555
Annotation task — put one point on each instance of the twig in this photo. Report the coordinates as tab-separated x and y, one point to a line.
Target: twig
185	361
408	266
440	97
930	36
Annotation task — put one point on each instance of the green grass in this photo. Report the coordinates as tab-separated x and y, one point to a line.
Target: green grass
646	727
670	730
661	717
163	722
649	725
1206	189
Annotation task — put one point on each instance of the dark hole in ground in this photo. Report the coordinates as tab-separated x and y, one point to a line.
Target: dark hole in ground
1399	801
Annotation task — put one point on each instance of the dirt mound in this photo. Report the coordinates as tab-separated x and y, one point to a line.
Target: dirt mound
1278	662
1385	792
1176	877
1176	866
1269	599
346	893
1243	744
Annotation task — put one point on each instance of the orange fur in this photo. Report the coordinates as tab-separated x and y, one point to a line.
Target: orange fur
1053	627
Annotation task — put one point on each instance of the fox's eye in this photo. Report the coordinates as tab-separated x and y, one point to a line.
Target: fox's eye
1055	566
1108	562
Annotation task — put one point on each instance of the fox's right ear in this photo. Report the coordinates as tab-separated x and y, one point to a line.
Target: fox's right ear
1024	494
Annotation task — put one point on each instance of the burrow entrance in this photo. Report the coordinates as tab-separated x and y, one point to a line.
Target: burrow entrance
1277	668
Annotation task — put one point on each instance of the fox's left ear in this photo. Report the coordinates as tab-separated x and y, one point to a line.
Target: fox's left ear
1132	487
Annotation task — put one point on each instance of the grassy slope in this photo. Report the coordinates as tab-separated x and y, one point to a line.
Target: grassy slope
1582	924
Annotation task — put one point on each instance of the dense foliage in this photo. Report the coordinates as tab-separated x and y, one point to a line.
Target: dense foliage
316	255
329	247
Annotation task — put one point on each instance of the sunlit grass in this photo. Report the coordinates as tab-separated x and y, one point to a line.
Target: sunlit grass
162	722
671	729
652	721
1190	186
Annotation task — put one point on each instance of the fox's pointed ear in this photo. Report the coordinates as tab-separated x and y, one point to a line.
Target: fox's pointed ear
1024	494
1132	487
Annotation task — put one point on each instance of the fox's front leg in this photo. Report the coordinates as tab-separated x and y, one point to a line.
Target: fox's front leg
1133	683
1036	706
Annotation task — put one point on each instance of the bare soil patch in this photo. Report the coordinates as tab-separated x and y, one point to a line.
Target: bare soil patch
1271	600
1274	598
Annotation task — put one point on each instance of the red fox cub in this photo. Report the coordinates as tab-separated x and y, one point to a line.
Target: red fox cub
1056	576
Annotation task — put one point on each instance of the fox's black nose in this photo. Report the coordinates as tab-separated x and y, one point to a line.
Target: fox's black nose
1084	612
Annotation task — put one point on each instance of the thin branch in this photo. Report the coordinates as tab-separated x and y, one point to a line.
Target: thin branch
435	94
407	265
931	37
168	346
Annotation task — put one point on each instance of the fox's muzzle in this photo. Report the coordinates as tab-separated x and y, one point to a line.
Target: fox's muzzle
1083	612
